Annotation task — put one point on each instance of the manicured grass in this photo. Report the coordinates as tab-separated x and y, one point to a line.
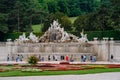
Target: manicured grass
37	28
75	72
73	19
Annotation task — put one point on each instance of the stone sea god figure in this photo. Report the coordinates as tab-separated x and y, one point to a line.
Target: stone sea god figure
56	33
22	38
33	37
83	37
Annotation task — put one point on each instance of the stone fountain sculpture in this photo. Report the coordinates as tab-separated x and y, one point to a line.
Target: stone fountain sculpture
83	37
54	34
33	37
22	38
57	34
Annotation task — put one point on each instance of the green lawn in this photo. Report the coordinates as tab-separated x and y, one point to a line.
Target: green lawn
73	19
37	28
75	72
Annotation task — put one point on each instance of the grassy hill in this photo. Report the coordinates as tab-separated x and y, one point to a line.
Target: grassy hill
37	28
73	19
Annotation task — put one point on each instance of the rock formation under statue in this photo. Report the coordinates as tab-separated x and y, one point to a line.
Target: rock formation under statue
57	34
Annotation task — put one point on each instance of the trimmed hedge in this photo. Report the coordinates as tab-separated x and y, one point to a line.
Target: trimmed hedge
100	34
90	35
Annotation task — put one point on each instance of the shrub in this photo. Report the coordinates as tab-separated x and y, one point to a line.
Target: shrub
33	60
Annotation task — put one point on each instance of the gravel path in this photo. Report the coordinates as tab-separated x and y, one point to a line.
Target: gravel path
100	76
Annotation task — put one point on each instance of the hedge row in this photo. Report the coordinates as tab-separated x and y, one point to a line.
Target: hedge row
90	35
100	34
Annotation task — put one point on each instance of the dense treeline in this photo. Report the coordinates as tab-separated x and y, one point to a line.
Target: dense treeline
16	15
20	15
106	18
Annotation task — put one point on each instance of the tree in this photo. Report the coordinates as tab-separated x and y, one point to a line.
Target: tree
49	19
52	6
6	6
74	9
62	19
66	23
115	2
103	16
115	14
63	6
81	23
23	15
3	25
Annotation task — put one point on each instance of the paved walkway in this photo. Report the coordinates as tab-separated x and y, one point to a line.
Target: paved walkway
100	76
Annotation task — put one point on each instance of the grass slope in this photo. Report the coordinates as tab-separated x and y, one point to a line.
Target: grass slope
75	72
72	19
37	28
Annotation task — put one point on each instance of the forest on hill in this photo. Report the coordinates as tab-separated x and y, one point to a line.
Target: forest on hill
20	15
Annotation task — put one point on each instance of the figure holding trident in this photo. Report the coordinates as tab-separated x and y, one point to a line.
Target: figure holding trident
83	36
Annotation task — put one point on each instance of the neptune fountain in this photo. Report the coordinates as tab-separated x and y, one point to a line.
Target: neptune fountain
57	34
54	34
54	42
58	43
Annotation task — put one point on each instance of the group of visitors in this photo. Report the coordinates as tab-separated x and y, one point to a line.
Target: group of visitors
61	57
52	57
19	58
84	58
55	57
16	58
40	58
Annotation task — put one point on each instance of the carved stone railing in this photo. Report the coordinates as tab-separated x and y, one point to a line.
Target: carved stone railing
2	43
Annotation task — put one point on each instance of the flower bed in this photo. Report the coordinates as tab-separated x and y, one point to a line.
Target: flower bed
61	67
64	62
1	70
55	67
113	66
4	70
94	66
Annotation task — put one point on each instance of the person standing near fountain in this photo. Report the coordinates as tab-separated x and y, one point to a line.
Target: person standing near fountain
17	58
53	57
83	58
67	58
49	58
21	57
71	58
39	57
111	57
8	57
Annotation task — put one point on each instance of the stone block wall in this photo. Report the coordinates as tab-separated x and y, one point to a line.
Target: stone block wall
102	49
